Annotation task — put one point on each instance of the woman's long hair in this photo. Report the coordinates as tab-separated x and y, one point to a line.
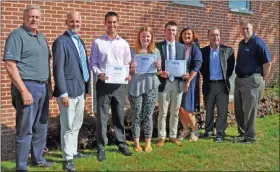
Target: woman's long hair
152	46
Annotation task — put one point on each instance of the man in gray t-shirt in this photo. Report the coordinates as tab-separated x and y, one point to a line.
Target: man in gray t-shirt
27	61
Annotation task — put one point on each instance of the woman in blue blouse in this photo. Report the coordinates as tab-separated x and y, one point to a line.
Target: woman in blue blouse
143	89
190	100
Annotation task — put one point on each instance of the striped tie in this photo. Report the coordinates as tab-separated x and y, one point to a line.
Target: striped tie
171	78
83	58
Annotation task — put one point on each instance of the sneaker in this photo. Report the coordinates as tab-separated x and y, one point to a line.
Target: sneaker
184	134
194	136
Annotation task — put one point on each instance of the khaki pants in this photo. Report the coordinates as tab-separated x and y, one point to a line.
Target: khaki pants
171	92
71	120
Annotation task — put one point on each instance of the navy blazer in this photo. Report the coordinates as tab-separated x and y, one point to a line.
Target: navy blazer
180	55
67	68
227	64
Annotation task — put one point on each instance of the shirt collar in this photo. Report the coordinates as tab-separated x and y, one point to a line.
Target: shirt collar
169	43
107	37
217	49
250	39
28	30
71	33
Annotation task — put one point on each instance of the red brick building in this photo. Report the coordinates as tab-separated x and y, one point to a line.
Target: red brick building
200	14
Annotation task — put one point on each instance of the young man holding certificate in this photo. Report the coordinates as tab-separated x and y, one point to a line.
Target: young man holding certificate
171	87
111	54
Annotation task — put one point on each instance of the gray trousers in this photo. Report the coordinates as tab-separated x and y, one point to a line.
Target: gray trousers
110	95
30	130
218	96
247	95
71	120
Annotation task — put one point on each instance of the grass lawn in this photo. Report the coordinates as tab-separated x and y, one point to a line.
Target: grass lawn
193	156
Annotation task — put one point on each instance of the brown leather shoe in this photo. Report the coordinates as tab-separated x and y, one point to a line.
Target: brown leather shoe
160	142
176	141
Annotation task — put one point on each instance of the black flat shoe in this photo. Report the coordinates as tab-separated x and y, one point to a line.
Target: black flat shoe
125	151
101	156
69	166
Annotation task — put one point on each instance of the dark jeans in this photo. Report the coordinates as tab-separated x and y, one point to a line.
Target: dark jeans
30	132
110	95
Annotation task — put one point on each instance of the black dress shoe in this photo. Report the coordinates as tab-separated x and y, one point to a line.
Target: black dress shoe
69	166
208	134
245	141
45	164
125	151
219	139
101	155
79	156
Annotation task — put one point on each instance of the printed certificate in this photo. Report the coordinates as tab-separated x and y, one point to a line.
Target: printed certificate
176	68
117	73
145	63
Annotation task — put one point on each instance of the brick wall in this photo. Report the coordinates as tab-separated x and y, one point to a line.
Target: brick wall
133	15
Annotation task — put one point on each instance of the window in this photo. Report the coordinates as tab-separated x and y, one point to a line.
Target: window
240	6
191	3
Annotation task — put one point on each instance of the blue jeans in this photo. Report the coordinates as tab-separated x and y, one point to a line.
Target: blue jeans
30	131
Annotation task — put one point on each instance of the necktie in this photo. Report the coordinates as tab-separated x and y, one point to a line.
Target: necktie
171	78
82	58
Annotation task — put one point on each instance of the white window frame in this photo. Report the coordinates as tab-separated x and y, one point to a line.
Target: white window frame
241	10
189	2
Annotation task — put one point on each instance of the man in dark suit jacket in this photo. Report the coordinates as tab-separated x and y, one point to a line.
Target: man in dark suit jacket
72	82
217	67
170	87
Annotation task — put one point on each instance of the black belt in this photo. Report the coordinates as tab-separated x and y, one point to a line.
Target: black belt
246	76
39	82
216	81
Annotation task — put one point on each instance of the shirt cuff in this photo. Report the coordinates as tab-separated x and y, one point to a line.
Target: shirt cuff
64	95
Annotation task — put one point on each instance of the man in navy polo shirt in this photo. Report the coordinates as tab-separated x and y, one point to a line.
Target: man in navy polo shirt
252	68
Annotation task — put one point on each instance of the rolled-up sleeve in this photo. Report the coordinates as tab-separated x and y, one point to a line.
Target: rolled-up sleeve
94	59
127	55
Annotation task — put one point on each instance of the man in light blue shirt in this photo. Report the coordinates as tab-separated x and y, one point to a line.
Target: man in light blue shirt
215	64
217	67
72	82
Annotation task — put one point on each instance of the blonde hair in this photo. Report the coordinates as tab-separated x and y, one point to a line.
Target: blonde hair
152	46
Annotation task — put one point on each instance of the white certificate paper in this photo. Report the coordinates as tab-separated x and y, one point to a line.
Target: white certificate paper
176	68
117	73
145	63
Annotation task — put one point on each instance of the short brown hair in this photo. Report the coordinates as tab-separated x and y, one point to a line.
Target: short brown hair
245	22
195	35
170	23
